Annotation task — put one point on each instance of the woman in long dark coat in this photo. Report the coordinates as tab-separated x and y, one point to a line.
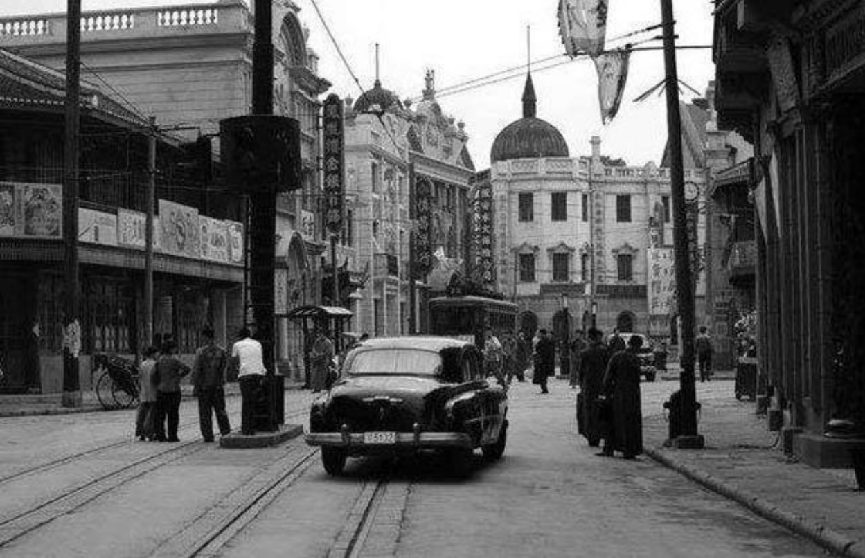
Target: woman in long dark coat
622	386
545	361
593	366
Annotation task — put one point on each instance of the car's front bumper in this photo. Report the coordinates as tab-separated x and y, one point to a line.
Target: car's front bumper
417	439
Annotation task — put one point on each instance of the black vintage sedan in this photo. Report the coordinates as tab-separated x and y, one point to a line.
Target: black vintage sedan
408	394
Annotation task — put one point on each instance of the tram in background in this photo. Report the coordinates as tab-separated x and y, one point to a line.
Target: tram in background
466	317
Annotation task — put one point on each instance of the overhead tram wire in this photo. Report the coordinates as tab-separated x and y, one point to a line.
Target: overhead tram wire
131	106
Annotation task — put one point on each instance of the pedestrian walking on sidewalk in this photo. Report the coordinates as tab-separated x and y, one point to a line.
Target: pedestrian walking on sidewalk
144	418
208	382
522	356
169	371
247	357
704	347
622	388
577	345
616	343
493	357
509	356
594	359
545	360
321	361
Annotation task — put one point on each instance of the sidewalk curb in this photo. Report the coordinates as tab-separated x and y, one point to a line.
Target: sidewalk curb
835	542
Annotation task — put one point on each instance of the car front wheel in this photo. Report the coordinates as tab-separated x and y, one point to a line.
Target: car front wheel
495	450
333	460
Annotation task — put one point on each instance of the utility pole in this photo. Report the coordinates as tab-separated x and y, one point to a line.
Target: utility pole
412	287
687	412
593	305
72	327
335	288
148	233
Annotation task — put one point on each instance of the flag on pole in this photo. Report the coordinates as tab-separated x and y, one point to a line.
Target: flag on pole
583	26
612	70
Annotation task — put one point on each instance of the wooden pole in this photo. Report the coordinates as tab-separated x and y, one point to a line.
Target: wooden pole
412	287
148	234
687	428
72	327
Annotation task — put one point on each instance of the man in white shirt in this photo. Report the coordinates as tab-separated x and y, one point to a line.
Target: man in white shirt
246	355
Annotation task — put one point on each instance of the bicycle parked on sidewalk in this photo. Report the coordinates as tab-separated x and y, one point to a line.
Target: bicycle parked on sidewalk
117	386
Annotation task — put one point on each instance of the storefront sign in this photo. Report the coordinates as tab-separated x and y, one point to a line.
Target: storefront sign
213	238
482	234
662	280
8	209
179	229
131	229
97	227
235	242
423	227
333	162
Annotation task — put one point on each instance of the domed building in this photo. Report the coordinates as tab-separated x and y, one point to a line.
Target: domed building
553	215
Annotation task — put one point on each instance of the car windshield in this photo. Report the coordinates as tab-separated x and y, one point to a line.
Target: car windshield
396	362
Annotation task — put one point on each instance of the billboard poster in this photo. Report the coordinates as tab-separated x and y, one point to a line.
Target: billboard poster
235	242
280	291
583	26
41	210
213	237
307	225
662	281
423	227
97	227
179	229
8	209
130	229
482	233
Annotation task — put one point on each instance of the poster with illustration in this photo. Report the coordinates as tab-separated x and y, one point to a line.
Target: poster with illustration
8	209
213	237
235	242
42	210
179	229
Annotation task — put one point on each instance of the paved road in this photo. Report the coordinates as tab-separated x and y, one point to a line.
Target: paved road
549	496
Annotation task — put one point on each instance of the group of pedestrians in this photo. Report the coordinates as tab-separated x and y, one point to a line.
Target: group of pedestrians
608	406
162	371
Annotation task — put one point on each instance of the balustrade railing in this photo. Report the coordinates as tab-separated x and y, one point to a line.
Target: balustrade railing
107	22
184	17
24	27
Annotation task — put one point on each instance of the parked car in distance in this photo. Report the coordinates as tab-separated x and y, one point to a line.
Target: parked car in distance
646	354
408	395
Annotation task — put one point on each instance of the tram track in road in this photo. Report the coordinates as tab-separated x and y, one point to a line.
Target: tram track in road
113	443
219	524
23	522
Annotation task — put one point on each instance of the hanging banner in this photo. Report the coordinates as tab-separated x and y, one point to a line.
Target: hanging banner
333	162
583	26
235	242
612	68
662	281
179	229
8	209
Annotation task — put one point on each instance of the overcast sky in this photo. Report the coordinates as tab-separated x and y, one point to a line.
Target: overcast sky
465	39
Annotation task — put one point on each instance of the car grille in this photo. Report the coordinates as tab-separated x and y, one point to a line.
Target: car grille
363	416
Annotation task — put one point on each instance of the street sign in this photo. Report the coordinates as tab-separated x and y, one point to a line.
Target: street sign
333	162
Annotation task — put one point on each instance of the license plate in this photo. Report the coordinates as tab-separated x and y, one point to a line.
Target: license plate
379	437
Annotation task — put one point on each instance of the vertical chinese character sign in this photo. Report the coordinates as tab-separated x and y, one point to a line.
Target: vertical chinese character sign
482	234
422	215
334	163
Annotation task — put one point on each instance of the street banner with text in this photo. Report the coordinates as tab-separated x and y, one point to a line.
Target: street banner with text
333	162
612	68
583	26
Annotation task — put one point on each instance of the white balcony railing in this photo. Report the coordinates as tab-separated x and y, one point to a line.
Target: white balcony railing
24	27
107	22
186	17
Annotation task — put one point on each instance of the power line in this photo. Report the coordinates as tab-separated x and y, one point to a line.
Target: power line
129	104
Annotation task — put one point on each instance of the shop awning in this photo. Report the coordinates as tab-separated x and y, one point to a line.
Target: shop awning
302	312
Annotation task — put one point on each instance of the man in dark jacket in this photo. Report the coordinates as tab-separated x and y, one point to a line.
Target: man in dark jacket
546	360
622	388
616	343
592	369
167	375
208	380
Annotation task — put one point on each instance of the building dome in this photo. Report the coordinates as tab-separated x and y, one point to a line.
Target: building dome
376	99
529	137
